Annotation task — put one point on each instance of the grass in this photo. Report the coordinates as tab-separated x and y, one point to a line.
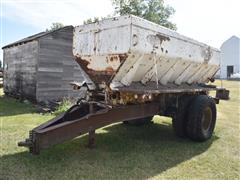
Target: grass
123	152
63	106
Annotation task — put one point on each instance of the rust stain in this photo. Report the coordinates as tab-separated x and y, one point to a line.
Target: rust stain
157	40
110	70
135	40
82	62
123	57
96	76
207	54
162	38
100	76
114	58
107	60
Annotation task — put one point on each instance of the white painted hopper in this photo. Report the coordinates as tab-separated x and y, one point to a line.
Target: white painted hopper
126	49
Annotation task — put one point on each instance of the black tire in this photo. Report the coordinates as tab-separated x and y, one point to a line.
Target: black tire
139	122
179	119
201	118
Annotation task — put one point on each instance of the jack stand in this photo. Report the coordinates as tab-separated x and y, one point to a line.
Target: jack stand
91	139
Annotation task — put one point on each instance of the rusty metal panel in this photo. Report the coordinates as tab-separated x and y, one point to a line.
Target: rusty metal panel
151	88
141	51
106	37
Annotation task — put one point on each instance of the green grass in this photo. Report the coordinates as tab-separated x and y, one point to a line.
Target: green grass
123	152
63	106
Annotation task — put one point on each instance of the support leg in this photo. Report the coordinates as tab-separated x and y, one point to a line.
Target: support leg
91	139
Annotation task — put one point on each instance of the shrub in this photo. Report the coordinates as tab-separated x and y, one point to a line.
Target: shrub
63	106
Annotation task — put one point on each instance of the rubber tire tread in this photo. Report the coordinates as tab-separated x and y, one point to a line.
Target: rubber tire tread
194	128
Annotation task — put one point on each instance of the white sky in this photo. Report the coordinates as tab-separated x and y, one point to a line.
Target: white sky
209	21
41	13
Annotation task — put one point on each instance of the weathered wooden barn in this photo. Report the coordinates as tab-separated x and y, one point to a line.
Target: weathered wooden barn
41	67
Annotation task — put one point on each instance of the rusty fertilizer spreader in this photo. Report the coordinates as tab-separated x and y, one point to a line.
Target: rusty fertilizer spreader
136	69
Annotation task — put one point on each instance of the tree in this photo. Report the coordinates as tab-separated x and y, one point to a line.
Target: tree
90	20
152	10
95	19
55	26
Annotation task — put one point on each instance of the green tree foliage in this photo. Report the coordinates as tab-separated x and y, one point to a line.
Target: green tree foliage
152	10
90	20
55	26
95	19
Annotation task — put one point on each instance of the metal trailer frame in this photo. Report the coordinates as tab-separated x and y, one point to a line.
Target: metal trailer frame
87	116
136	69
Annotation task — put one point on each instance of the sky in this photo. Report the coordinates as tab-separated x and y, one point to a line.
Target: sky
208	21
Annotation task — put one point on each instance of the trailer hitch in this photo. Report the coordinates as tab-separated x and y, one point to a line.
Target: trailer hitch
29	143
26	143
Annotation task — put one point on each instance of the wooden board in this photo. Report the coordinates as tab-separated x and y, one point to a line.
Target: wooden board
57	67
20	70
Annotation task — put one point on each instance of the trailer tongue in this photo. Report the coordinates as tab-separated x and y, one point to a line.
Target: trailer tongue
83	118
136	70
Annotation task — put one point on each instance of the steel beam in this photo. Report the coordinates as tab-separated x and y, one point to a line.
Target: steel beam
57	130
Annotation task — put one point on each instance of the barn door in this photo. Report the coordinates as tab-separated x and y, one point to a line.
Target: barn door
229	71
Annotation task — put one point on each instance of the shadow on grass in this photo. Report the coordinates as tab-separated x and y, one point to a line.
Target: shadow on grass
122	151
10	106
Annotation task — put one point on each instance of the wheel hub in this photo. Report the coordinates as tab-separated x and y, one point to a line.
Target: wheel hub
206	118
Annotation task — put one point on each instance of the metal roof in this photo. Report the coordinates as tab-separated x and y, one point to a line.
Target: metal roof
33	37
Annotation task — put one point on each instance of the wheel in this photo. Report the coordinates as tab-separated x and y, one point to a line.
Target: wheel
139	122
201	118
179	120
